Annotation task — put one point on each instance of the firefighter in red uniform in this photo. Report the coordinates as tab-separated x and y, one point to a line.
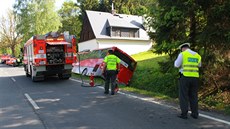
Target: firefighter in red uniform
111	62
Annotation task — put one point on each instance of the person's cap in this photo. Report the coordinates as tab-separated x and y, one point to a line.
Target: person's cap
183	45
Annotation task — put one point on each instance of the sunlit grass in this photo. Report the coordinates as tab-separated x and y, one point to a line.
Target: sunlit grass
145	92
145	55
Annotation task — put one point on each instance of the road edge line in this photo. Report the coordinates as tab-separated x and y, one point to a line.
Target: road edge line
165	105
215	119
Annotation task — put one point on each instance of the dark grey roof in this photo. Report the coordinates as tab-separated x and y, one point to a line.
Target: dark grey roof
101	20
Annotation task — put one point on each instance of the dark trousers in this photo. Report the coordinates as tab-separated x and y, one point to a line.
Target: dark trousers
188	94
110	76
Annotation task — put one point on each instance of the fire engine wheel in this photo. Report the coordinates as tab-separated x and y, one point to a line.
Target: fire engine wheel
33	78
27	73
60	76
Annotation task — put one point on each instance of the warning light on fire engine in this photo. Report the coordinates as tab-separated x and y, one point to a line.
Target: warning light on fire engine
49	39
60	39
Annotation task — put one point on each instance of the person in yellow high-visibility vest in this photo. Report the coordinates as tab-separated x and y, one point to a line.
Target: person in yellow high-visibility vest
189	62
111	62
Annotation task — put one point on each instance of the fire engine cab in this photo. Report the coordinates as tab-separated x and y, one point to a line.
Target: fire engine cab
49	54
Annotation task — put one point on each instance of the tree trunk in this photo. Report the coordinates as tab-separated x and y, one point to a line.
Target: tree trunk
192	34
13	50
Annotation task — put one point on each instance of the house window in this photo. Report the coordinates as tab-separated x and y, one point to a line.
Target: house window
118	33
132	33
125	32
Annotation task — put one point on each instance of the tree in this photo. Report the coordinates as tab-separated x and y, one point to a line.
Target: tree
22	11
9	38
36	17
134	7
70	18
206	25
88	5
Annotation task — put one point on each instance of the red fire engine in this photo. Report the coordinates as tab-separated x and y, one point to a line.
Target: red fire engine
49	54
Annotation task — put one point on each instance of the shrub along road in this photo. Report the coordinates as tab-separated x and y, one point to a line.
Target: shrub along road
65	104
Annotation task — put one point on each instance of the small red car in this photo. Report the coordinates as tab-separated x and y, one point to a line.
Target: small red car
4	58
12	61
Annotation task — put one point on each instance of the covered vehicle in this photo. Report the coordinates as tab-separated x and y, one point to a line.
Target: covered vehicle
91	62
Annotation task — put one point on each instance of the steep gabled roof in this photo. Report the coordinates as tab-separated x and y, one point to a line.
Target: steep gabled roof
115	22
99	21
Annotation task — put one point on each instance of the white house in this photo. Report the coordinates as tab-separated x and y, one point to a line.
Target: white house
103	30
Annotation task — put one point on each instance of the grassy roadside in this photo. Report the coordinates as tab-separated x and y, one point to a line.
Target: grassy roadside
147	67
149	80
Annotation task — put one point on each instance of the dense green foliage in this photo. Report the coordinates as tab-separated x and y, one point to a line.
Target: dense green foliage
70	18
133	7
36	17
206	25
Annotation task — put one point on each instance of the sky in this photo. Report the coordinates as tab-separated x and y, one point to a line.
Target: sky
5	5
8	4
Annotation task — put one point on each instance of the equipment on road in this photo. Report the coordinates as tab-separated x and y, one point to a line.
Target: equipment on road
92	81
49	54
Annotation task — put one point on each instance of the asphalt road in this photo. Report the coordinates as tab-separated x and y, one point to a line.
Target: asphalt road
64	104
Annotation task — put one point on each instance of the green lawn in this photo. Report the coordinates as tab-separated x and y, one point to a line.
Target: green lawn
147	79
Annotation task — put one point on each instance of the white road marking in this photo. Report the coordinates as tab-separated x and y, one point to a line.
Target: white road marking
75	80
35	106
215	119
13	79
165	105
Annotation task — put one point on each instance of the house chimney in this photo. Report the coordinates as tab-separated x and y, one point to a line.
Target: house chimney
113	10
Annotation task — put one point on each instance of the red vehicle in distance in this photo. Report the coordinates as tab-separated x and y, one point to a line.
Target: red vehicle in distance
4	58
12	61
91	62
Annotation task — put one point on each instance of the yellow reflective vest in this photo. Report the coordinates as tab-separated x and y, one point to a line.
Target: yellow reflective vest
111	61
190	64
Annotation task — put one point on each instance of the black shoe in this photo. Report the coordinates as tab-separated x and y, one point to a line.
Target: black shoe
194	116
182	116
106	92
112	93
